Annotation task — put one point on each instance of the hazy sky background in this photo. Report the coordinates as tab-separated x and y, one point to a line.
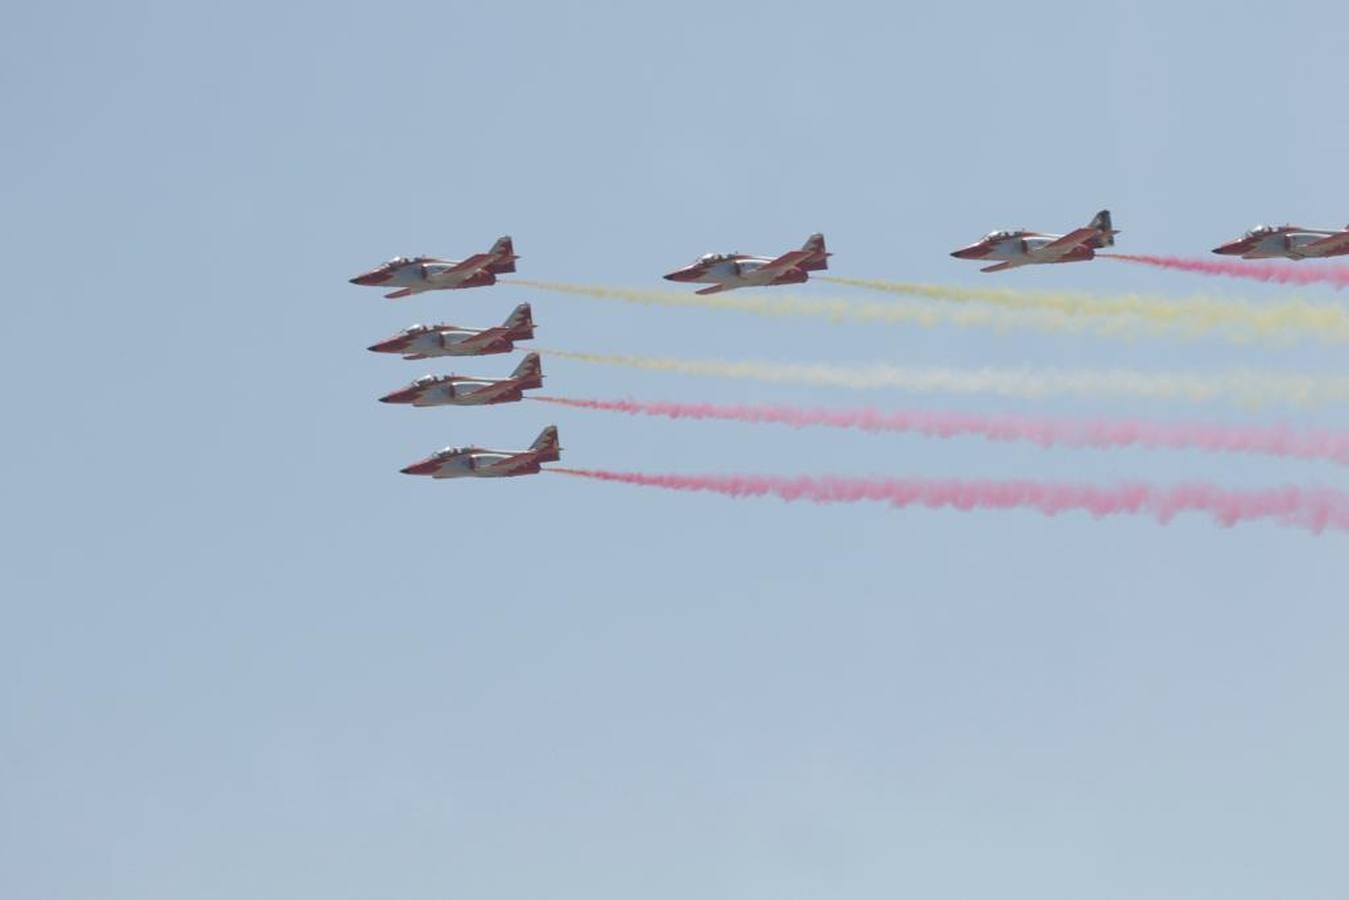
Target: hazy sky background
242	656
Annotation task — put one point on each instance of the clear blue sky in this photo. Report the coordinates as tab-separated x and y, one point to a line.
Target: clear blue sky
242	656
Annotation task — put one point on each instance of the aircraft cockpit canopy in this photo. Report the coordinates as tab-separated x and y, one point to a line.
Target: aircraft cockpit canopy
449	451
1001	235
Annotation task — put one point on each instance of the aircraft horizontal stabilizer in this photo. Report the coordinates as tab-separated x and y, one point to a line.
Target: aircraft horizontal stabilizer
503	256
819	260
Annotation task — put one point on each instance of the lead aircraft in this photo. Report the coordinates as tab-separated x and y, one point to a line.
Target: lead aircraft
428	273
1027	248
475	462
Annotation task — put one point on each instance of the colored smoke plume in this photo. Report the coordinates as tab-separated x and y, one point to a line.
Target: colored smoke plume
1313	509
1186	317
835	310
1276	273
1046	432
1250	388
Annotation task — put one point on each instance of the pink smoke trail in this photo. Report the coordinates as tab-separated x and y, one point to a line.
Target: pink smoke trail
1046	432
1278	273
1313	509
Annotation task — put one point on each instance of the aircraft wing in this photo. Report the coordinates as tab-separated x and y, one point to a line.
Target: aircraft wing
466	266
1010	264
1063	246
1326	246
484	339
789	260
515	464
715	289
496	389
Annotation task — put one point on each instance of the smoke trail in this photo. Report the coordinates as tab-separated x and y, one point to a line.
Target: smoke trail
1313	509
1278	273
1046	432
833	309
1192	316
1252	388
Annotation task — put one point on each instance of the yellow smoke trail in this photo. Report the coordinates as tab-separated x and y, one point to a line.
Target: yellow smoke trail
1251	388
834	309
1194	315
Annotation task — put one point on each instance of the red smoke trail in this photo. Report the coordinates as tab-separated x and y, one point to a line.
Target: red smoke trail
1272	440
1278	273
1313	509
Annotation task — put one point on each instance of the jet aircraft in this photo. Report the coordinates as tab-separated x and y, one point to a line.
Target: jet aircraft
427	273
465	390
728	271
475	462
1025	248
1288	242
425	341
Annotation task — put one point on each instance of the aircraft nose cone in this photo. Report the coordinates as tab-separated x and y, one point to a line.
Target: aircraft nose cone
407	395
424	467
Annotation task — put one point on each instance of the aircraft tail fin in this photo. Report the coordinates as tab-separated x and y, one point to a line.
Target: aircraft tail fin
820	259
1101	222
529	372
520	323
503	256
546	445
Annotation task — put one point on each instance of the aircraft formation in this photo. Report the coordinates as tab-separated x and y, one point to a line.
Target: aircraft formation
717	272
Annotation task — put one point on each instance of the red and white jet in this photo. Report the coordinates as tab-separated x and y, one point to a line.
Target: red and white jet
475	462
427	273
465	390
1288	242
1026	248
728	271
424	341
